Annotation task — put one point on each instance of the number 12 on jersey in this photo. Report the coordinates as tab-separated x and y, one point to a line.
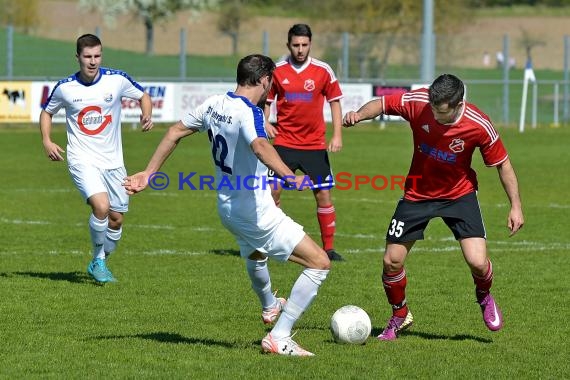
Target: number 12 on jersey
219	151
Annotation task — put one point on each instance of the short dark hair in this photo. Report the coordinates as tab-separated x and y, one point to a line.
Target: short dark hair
302	30
87	40
252	68
447	88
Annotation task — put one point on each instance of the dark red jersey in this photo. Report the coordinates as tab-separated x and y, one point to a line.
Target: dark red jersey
300	94
441	162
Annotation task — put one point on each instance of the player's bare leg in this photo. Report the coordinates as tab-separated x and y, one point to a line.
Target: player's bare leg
394	281
475	254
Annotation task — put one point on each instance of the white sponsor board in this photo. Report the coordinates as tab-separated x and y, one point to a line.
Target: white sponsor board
190	95
172	100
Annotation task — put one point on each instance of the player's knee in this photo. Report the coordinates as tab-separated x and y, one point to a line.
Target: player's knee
479	266
391	265
323	262
115	220
316	275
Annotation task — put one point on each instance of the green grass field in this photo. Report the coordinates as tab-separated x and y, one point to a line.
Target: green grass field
183	307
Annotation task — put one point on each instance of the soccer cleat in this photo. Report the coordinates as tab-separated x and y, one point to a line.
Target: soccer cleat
270	315
334	256
110	276
98	270
395	325
284	346
492	315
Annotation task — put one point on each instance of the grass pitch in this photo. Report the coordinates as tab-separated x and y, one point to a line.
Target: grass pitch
183	307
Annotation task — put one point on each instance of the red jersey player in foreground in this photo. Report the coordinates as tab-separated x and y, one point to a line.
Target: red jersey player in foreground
300	86
446	131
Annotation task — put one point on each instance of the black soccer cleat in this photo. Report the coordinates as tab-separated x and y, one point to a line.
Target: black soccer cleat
334	256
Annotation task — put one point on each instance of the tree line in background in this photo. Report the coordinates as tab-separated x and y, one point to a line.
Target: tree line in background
510	3
363	18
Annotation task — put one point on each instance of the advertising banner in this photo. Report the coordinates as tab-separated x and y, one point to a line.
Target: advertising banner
15	104
21	101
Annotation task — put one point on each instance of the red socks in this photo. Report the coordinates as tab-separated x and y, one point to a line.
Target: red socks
483	283
327	222
395	288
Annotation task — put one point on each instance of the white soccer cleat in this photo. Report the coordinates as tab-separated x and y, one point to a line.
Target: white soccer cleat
284	346
270	315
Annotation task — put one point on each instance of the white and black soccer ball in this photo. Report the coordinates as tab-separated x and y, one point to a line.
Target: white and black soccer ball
350	324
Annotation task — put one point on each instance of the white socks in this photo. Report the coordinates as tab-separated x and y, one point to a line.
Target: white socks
302	295
97	229
112	238
261	282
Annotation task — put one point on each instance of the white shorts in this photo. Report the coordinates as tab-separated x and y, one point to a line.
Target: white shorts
276	239
90	180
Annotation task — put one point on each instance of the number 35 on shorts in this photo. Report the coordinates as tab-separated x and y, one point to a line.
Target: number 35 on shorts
396	228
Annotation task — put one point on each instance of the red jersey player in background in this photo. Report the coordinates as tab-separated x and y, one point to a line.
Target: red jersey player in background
300	86
446	131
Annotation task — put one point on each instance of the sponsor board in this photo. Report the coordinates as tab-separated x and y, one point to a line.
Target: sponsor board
15	102
22	101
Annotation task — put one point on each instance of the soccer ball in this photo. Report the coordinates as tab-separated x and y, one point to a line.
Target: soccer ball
350	324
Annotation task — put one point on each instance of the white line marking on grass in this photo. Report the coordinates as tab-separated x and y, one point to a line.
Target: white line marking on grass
556	205
205	194
366	250
370	200
358	236
40	190
20	221
152	226
142	226
505	247
165	252
53	252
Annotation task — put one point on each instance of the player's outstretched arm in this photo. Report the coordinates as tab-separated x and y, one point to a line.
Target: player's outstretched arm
138	182
368	111
515	219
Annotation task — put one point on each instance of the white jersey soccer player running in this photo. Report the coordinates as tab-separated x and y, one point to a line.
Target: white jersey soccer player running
240	148
92	101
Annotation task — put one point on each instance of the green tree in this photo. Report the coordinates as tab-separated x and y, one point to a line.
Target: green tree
149	11
231	15
21	14
386	21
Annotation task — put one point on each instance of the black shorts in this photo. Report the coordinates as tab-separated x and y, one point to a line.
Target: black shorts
314	163
461	215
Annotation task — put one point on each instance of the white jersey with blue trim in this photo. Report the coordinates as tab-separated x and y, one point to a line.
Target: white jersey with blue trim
232	123
93	116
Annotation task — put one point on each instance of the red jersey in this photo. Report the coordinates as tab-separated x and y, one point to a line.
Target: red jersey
441	163
300	94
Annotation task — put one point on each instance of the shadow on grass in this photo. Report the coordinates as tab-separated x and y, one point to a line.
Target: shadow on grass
165	337
428	336
74	277
225	252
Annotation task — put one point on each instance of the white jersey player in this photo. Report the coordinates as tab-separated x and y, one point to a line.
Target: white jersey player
92	101
242	154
